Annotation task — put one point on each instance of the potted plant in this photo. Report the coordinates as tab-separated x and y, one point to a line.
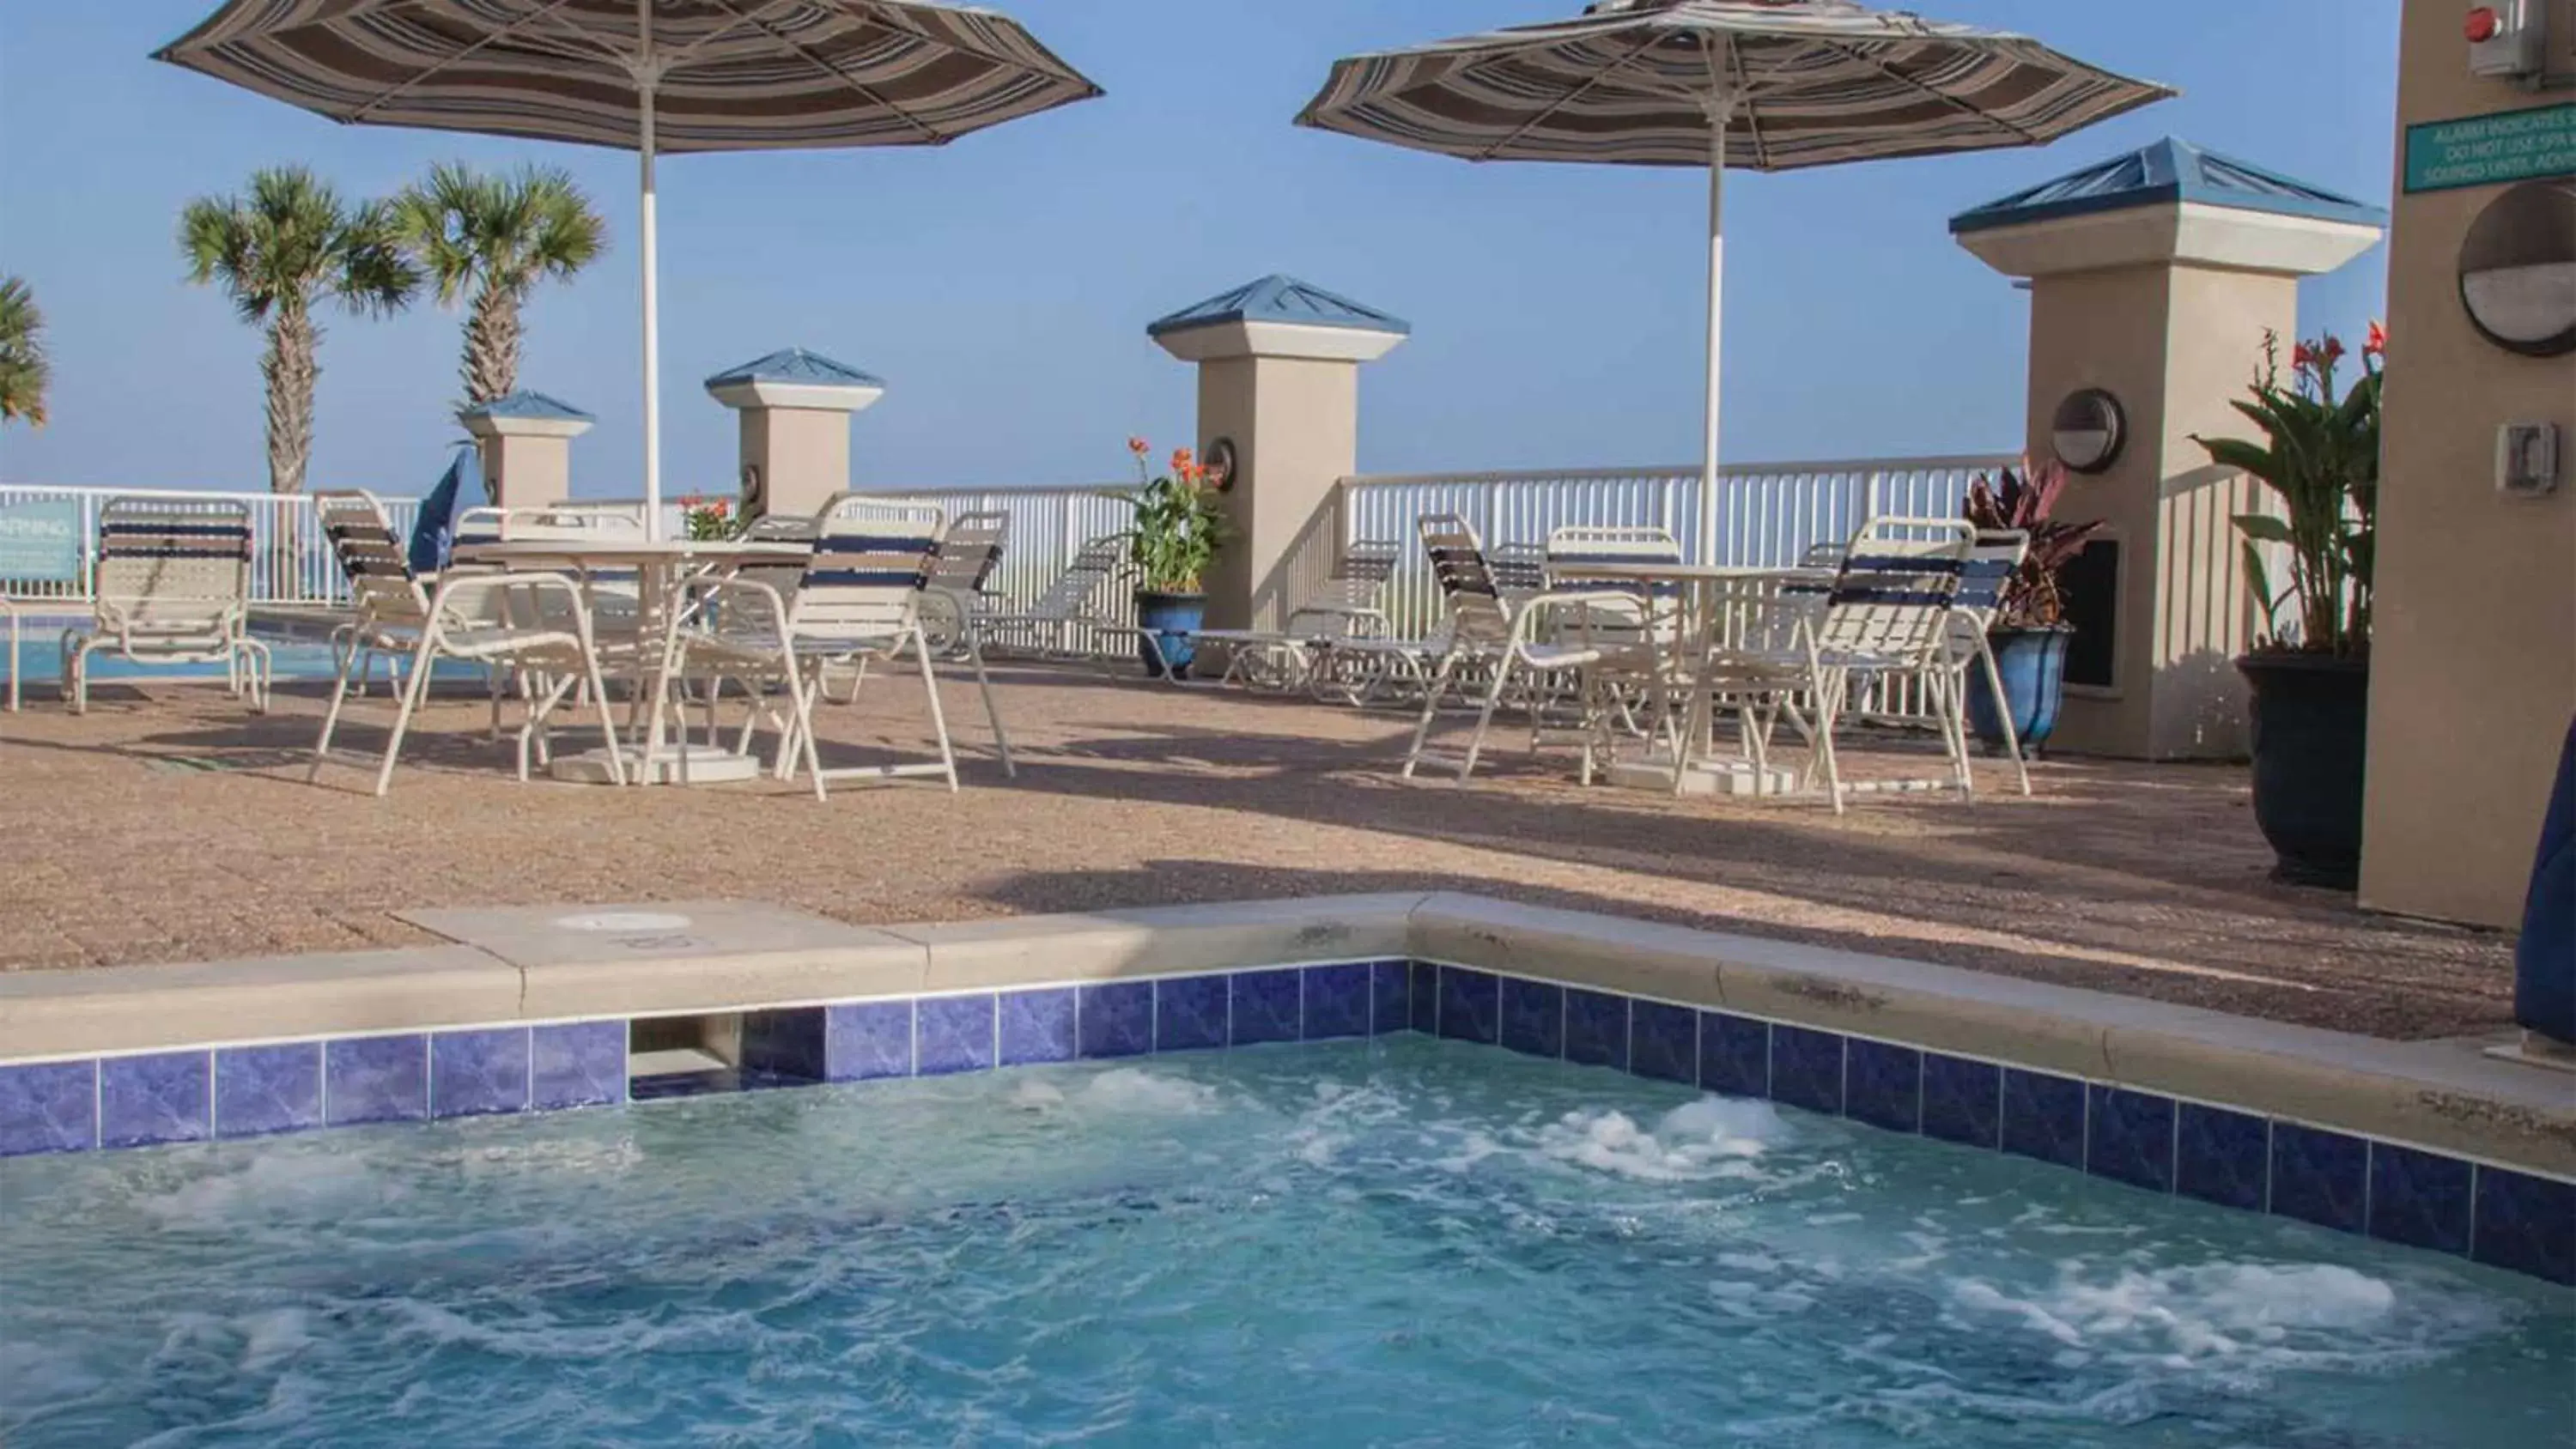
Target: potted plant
2029	632
709	518
2310	666
1177	528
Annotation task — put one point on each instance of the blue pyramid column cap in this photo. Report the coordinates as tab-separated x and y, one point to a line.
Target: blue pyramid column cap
525	413
1279	316
795	378
2175	203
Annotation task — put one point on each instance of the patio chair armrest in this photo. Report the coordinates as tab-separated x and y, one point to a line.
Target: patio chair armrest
456	590
760	591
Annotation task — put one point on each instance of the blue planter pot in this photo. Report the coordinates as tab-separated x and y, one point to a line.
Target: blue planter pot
1170	622
2033	665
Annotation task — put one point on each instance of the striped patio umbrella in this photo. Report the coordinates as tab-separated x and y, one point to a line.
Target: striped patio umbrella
1769	85
654	76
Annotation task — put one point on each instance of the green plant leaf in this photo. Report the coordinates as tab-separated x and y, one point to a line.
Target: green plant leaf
2262	527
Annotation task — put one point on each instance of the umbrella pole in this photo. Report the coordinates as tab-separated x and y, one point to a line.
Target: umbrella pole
1716	298
646	79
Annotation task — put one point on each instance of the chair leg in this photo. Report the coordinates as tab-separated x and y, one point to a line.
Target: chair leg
1485	718
803	692
992	711
13	663
1829	702
1430	708
413	689
331	717
2012	736
938	717
607	719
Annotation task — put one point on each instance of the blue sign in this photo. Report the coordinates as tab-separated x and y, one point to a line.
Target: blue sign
40	541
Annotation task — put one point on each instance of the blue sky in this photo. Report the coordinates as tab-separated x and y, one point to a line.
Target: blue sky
1002	285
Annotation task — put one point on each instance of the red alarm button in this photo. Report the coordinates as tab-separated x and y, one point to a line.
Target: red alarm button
2483	24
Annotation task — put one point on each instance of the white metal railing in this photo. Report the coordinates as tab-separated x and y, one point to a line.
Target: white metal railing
291	560
1768	514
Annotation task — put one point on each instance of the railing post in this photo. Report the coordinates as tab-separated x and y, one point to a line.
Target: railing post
1872	494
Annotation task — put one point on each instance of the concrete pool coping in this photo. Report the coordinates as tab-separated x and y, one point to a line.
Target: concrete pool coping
556	964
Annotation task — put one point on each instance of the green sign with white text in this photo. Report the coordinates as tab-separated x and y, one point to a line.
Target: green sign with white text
2491	150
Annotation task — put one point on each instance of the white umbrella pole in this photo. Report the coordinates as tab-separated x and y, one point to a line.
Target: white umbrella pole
646	78
1716	308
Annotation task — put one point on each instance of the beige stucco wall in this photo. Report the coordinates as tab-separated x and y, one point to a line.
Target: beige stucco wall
1295	426
2173	344
526	471
803	455
2473	663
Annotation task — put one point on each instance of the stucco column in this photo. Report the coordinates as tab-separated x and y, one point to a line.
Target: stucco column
795	408
1279	368
2155	278
525	441
2473	641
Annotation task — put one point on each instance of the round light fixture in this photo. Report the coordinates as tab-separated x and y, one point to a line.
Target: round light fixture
2518	269
2087	431
1220	462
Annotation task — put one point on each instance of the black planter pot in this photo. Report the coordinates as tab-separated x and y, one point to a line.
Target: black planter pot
2311	717
1171	623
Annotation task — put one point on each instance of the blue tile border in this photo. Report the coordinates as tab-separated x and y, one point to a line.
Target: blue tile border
2229	1157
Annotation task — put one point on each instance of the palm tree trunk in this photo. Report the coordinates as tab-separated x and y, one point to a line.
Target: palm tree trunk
492	345
291	369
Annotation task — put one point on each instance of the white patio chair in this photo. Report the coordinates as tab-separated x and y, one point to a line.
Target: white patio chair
395	614
1992	562
1545	633
1346	607
954	594
858	598
171	586
1889	612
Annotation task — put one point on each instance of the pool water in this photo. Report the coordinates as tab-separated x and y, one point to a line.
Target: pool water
40	661
1400	1242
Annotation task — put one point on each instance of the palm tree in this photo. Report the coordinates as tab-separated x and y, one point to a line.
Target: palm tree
500	236
287	244
22	354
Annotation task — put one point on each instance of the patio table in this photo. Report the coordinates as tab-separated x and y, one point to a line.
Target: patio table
665	571
1721	607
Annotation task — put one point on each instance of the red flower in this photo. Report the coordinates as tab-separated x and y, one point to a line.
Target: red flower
2303	357
1180	460
2331	350
2376	344
1137	446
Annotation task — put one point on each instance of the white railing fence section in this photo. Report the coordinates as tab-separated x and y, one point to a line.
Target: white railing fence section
291	559
1768	515
1048	527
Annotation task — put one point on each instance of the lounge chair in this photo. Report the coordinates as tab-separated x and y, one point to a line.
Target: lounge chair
1068	611
171	586
954	593
396	614
857	598
1345	608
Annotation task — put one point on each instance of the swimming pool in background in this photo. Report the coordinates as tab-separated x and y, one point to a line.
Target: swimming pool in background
40	658
1402	1241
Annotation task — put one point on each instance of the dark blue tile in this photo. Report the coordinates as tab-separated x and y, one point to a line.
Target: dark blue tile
259	1090
1734	1054
788	1044
1533	1017
478	1073
1807	1068
954	1034
2132	1138
577	1064
1424	998
1037	1026
1390	997
1337	1000
2044	1117
48	1107
167	1097
2320	1177
2420	1199
1117	1019
865	1041
1596	1028
1663	1042
1268	1006
1189	1013
2222	1156
2527	1224
1883	1085
375	1079
1471	1005
1963	1100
